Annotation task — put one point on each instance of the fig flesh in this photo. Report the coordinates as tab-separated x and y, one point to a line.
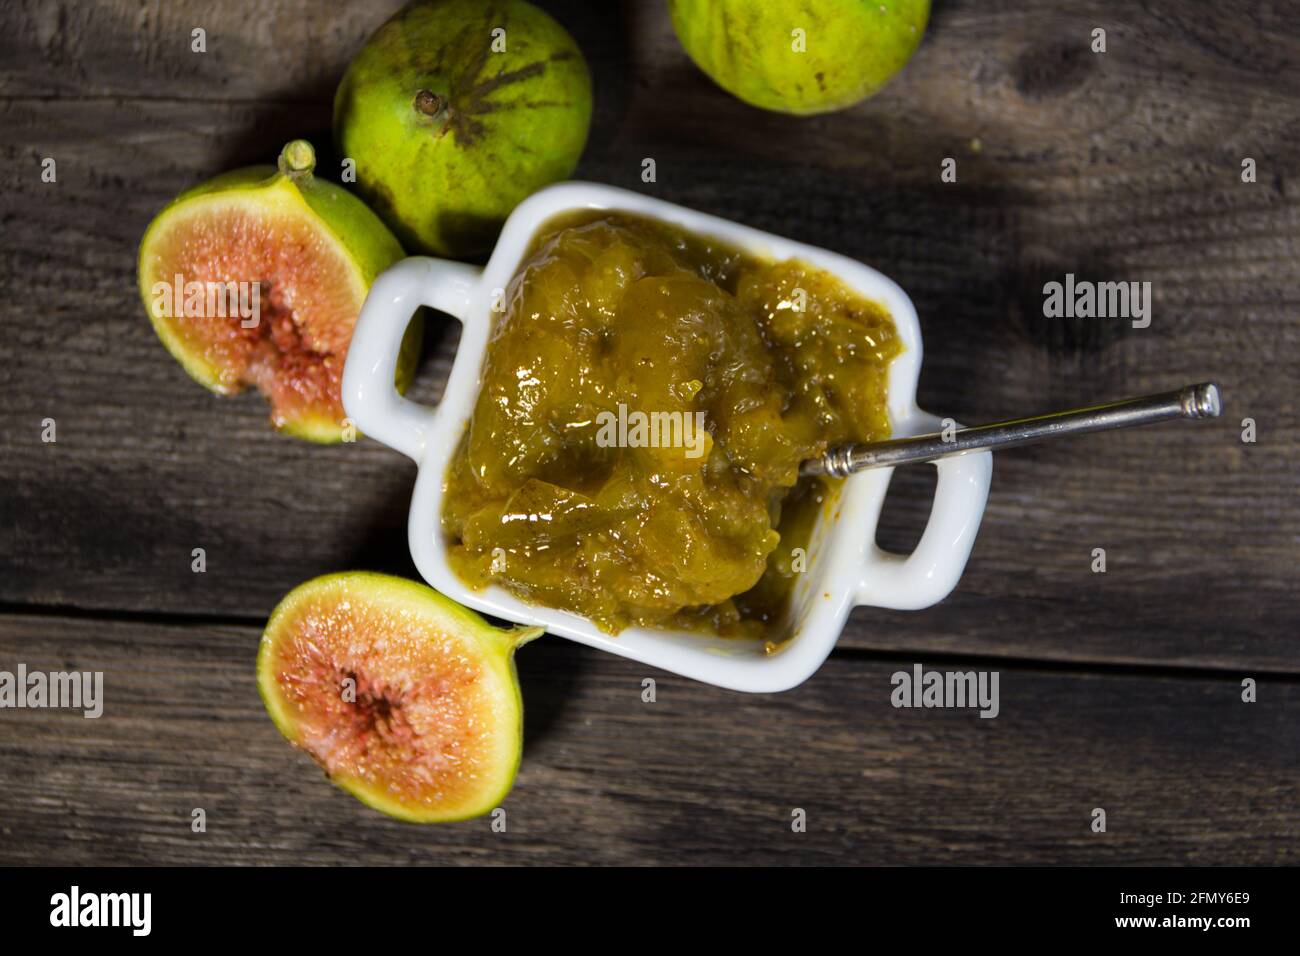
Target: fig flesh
257	278
406	699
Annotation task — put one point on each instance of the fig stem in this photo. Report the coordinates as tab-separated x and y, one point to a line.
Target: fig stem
519	636
433	105
298	158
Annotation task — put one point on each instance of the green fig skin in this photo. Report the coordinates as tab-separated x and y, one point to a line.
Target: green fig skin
850	48
492	723
457	110
368	245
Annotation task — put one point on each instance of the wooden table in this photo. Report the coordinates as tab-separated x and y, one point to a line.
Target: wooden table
1119	690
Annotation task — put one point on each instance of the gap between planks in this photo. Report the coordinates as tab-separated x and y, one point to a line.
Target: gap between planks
1046	665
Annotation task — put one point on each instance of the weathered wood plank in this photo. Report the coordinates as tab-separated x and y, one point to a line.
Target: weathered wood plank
1186	772
292	51
1123	166
1200	529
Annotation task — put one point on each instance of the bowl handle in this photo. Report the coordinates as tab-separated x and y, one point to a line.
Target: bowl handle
369	396
928	575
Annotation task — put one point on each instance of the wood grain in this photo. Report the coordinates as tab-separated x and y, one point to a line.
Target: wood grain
1119	690
1201	530
292	50
1186	772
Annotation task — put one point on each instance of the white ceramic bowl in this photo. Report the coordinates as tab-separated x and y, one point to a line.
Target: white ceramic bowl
845	566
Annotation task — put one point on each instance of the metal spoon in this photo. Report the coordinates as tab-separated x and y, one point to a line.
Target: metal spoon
1194	401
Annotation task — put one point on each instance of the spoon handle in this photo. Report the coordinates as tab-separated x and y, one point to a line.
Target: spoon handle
1194	401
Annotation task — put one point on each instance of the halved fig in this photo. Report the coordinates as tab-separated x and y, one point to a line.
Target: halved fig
407	700
257	277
